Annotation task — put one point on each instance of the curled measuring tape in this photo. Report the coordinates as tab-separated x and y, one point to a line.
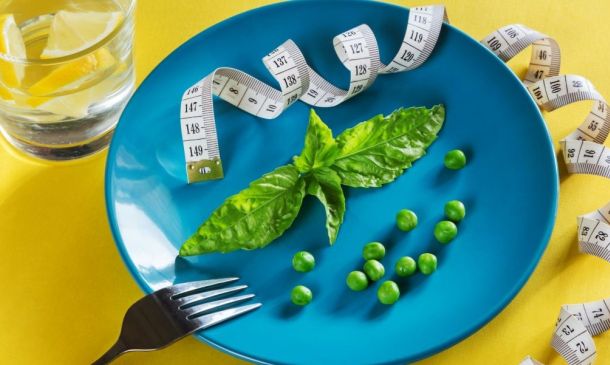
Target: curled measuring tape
584	153
356	48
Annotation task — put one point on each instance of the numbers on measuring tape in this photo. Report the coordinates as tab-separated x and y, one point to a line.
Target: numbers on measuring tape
360	70
598	313
292	99
190	107
542	55
537	91
420	19
290	80
313	93
196	151
494	43
416	36
583	153
356	48
280	61
407	55
192	90
511	32
555	86
192	128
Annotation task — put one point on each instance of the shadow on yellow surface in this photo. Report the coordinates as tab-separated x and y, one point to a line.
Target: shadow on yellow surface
66	281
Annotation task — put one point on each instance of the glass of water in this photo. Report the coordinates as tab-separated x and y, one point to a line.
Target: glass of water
66	73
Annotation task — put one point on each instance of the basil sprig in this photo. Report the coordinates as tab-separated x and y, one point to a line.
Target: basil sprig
370	154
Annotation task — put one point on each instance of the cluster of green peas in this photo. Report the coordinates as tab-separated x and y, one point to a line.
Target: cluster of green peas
406	220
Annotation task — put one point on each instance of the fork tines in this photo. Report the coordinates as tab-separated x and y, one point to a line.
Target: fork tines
211	319
193	300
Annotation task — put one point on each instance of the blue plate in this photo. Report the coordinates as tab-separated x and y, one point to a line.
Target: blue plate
509	187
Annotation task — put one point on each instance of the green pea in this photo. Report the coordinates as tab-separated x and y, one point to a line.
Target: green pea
373	250
427	263
388	292
301	295
405	266
455	210
455	159
406	220
445	231
374	270
303	261
357	281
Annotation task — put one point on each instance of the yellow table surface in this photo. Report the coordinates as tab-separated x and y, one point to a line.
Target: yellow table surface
65	289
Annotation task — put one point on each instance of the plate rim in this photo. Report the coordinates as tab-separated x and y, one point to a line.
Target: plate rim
501	305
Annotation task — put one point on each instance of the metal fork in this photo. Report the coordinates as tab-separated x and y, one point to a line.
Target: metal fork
171	313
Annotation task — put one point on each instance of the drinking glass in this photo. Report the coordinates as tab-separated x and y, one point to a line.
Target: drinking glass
62	94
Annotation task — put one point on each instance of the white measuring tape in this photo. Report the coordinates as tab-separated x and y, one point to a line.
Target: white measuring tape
357	49
583	153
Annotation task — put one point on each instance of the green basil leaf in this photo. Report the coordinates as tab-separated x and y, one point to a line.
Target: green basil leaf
378	150
325	184
320	149
252	218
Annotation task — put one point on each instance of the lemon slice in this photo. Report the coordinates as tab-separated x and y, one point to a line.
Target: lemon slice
70	75
72	32
74	105
11	43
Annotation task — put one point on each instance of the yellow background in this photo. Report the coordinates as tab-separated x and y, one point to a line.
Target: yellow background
64	287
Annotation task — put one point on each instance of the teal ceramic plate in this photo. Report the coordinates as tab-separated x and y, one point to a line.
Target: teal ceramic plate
509	187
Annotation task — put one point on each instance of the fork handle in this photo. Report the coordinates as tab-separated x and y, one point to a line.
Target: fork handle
115	351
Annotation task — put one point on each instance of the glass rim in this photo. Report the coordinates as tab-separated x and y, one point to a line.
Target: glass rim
73	56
